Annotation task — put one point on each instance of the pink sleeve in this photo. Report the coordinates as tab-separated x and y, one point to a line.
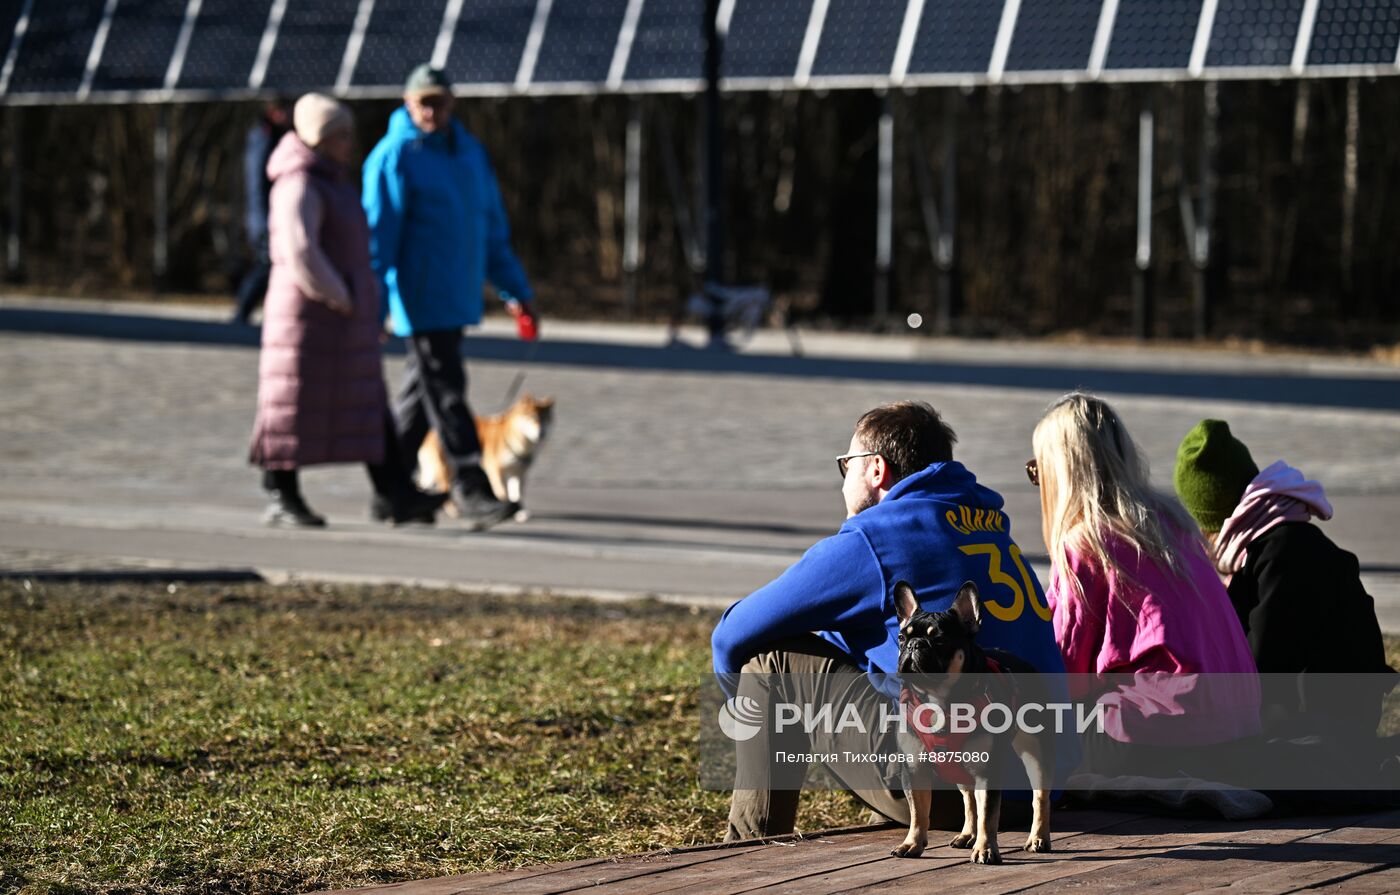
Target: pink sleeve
295	212
1079	621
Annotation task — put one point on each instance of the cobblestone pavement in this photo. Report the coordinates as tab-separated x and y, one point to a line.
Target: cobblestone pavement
670	470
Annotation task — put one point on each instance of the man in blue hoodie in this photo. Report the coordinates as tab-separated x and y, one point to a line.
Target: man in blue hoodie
438	231
913	514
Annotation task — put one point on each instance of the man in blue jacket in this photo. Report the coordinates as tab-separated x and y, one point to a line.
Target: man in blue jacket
438	231
913	514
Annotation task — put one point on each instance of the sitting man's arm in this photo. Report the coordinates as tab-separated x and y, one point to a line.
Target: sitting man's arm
835	581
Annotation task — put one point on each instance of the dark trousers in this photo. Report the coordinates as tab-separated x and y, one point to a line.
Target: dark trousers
254	285
391	478
815	672
434	395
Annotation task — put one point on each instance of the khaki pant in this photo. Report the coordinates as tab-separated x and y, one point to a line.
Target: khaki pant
815	672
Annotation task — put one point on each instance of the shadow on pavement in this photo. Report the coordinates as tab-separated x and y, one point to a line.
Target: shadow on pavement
1355	392
686	522
135	576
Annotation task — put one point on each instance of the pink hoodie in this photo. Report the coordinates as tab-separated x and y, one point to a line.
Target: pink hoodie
1277	495
1171	660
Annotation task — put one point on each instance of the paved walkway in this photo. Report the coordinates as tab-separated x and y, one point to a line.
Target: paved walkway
677	472
1095	851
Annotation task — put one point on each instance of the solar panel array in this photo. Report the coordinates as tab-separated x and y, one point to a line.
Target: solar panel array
154	50
1154	34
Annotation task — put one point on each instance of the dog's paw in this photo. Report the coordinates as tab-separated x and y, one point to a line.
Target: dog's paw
522	515
986	854
1038	844
911	848
962	840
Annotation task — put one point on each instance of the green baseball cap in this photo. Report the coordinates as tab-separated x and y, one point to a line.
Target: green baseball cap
425	79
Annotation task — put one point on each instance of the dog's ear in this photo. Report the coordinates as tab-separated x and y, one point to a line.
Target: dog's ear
968	607
905	604
544	403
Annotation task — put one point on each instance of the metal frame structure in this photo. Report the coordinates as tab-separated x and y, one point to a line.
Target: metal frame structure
918	22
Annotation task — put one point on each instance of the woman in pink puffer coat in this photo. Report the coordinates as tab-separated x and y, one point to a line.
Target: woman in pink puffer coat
321	395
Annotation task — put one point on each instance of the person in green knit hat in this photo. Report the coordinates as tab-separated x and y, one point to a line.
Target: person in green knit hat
1213	468
1298	595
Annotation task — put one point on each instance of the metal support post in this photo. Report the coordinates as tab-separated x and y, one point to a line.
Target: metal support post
160	260
1142	280
1200	217
946	255
1350	182
884	214
632	207
14	260
714	168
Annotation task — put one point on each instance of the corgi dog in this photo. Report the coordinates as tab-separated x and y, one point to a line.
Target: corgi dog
509	443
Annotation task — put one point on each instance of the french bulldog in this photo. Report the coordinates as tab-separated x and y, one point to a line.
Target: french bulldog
941	664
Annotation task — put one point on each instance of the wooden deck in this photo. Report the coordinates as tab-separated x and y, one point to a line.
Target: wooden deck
1095	851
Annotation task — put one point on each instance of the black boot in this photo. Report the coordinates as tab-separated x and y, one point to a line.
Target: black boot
397	499
411	507
287	509
477	503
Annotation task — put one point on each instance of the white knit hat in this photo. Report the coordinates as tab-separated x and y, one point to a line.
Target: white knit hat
317	116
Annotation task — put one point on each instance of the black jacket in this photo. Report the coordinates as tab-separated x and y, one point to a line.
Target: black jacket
1304	609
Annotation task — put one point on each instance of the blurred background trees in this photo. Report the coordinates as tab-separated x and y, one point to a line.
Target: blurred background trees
1307	208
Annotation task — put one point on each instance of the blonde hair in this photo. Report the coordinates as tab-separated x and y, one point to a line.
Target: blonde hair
1095	488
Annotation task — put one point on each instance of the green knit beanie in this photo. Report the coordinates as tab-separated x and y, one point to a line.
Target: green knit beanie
1213	468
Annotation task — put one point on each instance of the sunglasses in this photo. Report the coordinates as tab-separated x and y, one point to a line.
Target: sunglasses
843	461
1033	472
436	101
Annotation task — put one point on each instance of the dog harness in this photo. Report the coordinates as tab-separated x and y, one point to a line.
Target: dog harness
947	740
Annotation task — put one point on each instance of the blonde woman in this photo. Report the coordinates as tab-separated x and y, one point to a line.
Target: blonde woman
1137	606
